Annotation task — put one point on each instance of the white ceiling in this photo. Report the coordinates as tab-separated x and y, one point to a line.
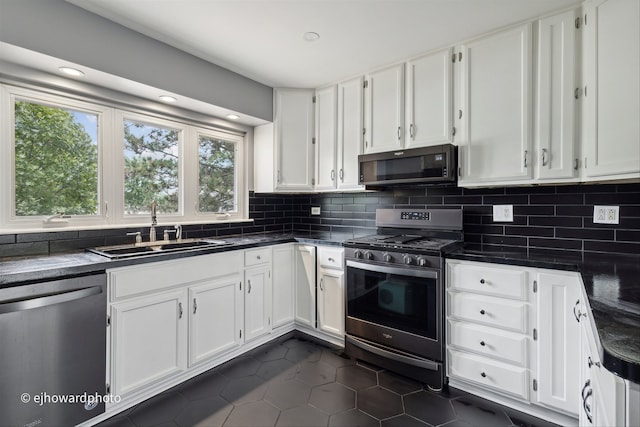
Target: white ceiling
262	39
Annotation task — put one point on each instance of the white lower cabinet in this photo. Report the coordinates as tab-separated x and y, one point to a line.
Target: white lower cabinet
305	285
511	337
149	340
283	285
215	317
257	297
331	291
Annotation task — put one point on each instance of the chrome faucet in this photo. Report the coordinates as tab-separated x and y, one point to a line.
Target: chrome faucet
154	222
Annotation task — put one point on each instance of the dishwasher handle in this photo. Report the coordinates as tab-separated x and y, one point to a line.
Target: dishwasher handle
27	304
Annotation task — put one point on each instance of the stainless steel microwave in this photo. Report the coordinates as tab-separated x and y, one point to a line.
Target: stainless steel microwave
426	165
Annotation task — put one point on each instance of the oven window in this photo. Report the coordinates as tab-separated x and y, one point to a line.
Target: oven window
396	301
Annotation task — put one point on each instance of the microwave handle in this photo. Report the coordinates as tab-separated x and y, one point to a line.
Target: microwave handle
425	273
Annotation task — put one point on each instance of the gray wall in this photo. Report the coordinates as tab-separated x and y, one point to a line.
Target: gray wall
65	31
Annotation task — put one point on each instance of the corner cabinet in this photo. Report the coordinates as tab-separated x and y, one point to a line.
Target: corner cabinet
494	113
305	285
326	101
350	127
511	336
610	125
294	130
283	285
429	95
384	109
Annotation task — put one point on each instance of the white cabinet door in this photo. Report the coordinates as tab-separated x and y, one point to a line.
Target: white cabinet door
555	155
350	127
612	89
326	133
558	346
384	109
149	340
215	317
305	284
283	280
331	301
294	124
429	100
257	302
495	106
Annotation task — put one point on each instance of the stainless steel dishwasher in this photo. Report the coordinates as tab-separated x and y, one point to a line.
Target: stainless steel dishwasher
53	351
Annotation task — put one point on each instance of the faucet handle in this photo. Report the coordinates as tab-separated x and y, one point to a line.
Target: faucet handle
138	236
166	233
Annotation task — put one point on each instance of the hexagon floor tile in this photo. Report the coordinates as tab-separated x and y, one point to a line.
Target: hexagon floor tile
294	381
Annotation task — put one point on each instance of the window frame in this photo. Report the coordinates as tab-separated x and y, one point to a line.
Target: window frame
111	117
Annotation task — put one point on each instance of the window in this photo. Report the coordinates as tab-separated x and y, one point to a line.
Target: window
217	175
151	161
55	160
100	165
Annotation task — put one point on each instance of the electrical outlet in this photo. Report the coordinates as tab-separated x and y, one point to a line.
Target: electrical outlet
606	214
315	210
503	213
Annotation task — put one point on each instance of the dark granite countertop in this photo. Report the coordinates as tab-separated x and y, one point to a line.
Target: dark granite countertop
18	271
612	284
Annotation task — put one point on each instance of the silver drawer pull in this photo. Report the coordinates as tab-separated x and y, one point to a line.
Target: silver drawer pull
482	343
258	257
483	375
483	312
482	281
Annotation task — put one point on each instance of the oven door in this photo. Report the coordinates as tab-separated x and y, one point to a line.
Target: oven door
398	307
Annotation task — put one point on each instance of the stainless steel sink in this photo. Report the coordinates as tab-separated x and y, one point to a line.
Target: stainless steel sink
151	248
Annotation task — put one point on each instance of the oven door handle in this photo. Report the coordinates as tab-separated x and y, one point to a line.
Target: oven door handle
420	363
426	273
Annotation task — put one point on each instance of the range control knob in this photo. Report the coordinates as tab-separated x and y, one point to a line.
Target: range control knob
368	255
387	257
407	259
357	253
422	262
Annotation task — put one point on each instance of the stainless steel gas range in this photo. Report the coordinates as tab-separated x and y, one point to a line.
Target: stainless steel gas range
394	291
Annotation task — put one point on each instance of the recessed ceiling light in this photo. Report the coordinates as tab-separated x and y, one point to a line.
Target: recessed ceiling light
71	71
310	36
233	116
167	98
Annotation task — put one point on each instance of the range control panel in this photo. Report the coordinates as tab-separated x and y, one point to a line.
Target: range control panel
415	215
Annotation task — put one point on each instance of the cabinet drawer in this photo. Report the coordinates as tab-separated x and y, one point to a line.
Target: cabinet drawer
489	373
257	256
330	257
498	312
494	343
488	280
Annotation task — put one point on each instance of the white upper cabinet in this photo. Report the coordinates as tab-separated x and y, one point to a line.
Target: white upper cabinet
555	142
610	123
384	109
325	140
294	129
494	113
429	100
350	126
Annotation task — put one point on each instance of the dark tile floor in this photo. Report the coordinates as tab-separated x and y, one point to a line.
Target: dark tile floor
297	382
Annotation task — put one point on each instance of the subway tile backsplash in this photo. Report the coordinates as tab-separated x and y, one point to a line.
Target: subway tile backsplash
546	218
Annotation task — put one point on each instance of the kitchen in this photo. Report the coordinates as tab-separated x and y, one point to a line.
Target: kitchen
529	209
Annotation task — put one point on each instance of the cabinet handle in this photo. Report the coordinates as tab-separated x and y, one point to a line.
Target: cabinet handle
195	306
342	175
399	135
258	257
482	343
584	388
321	287
575	164
483	375
526	153
482	281
586	406
544	157
483	312
590	362
333	175
331	259
248	286
179	310
459	114
578	314
279	177
411	131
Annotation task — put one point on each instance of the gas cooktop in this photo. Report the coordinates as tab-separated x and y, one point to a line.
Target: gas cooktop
401	241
